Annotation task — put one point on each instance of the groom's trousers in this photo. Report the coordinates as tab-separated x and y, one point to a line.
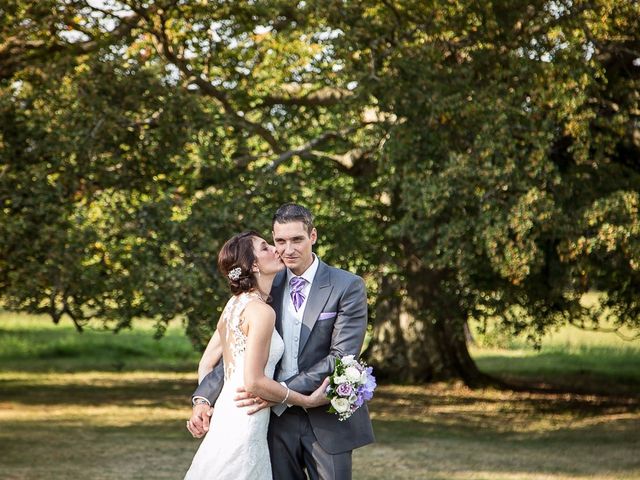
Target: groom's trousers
294	448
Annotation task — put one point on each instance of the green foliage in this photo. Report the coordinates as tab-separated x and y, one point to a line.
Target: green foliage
134	141
514	155
480	157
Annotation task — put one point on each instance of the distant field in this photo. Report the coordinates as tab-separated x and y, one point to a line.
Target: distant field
569	357
34	343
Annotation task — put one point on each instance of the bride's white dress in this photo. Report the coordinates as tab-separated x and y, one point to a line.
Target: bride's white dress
235	447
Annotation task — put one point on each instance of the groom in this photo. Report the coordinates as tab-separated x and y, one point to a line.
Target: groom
321	314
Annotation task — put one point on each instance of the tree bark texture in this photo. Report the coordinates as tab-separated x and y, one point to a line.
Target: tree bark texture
415	339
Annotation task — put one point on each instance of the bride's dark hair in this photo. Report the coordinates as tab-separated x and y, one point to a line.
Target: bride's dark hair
237	252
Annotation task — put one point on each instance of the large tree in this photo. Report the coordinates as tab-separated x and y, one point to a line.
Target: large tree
137	136
471	159
512	169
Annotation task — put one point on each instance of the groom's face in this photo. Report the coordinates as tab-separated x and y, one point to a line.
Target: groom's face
294	245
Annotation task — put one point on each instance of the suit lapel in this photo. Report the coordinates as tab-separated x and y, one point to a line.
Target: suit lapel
277	293
318	296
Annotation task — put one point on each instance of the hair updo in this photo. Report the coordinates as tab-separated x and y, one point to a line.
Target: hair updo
237	252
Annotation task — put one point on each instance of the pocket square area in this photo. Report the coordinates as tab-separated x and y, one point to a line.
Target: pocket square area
327	315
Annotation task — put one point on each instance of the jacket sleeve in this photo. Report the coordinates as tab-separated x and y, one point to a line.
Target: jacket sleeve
212	384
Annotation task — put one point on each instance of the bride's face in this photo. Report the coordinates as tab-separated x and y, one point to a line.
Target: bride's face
267	257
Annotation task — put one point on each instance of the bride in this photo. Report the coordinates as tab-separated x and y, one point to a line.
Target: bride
236	445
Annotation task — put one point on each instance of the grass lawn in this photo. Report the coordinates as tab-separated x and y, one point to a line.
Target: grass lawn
570	358
106	406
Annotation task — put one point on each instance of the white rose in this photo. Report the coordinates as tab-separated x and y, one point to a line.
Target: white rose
363	377
348	360
352	374
340	379
340	404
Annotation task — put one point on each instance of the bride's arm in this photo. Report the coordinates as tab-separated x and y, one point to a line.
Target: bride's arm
210	357
260	320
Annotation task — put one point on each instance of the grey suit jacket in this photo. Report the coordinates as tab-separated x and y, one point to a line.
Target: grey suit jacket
321	342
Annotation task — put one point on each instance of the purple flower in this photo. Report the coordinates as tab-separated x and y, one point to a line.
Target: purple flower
344	390
369	386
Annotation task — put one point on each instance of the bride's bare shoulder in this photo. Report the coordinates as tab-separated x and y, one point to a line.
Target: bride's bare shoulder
258	310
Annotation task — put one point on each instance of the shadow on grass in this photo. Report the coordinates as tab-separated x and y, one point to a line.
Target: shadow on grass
173	393
599	372
456	407
404	450
32	450
435	450
437	431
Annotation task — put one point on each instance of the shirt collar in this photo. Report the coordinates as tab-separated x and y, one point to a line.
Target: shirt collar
309	273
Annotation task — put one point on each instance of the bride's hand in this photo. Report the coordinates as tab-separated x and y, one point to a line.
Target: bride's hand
246	399
319	396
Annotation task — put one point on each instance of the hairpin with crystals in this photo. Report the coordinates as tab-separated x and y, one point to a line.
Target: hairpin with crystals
234	274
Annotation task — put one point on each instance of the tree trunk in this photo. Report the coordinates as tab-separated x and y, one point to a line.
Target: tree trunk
416	338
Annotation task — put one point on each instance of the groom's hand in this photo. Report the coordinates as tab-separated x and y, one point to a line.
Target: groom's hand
198	424
245	399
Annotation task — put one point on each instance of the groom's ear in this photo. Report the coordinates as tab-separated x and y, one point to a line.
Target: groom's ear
313	236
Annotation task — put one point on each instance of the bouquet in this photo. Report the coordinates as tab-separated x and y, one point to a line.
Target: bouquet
350	385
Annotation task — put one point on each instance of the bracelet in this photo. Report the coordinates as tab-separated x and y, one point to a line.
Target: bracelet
200	401
286	397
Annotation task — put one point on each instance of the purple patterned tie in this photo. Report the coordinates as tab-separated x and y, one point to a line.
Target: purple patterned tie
296	284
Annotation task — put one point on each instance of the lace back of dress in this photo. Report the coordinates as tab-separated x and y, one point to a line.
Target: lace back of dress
233	338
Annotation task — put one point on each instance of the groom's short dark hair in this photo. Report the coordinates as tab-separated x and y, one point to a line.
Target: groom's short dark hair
292	212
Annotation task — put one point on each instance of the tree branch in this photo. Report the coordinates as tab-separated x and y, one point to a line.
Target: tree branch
15	52
599	329
165	48
305	148
127	23
322	97
347	162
